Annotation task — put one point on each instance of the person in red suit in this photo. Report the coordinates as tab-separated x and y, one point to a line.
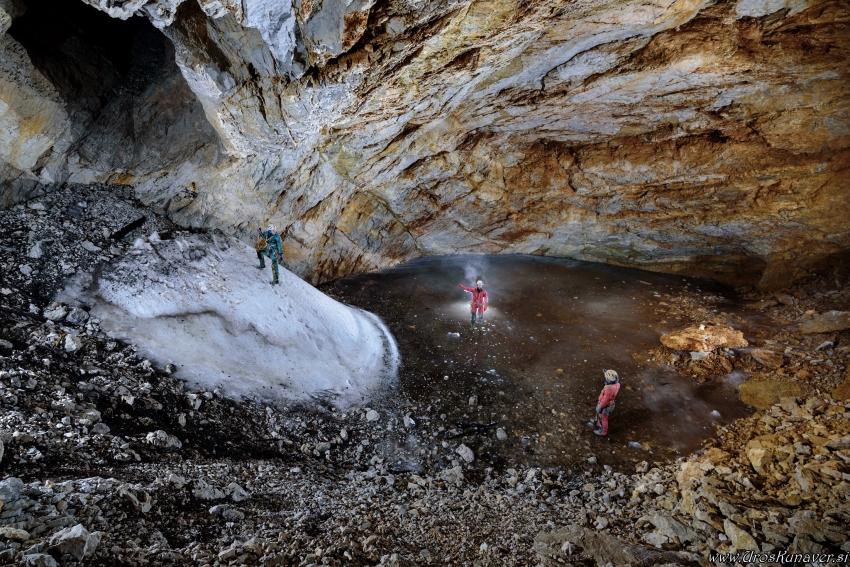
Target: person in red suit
479	301
605	405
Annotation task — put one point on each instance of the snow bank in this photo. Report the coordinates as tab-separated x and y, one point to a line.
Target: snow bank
200	303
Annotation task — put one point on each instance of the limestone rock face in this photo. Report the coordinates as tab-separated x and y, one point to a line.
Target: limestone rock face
692	137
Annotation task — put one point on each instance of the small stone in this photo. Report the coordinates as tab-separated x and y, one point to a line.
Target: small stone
501	434
237	493
465	453
25	269
162	439
77	316
100	429
453	475
56	312
408	422
372	415
35	252
72	343
88	245
473	400
601	522
784	299
656	539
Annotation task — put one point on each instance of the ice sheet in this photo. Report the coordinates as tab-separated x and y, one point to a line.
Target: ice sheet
200	303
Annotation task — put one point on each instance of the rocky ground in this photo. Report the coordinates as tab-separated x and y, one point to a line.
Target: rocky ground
109	461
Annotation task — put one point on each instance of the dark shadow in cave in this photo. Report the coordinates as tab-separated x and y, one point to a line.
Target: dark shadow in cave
131	108
83	52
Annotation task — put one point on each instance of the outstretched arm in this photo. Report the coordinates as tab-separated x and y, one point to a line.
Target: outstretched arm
469	289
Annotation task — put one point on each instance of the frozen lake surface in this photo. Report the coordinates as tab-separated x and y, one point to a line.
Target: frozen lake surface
551	329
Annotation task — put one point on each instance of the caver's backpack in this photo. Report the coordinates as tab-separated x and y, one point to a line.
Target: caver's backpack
261	244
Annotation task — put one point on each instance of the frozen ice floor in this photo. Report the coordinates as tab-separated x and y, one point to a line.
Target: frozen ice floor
199	303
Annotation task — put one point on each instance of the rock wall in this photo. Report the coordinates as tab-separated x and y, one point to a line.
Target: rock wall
700	137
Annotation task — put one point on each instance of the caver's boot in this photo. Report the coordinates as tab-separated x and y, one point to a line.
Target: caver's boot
262	261
275	280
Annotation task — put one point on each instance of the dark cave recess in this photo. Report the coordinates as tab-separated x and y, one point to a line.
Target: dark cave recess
86	54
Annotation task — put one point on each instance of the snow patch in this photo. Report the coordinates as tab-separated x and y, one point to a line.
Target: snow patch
200	303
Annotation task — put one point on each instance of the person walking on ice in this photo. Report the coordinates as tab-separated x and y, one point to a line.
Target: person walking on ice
479	301
605	405
269	244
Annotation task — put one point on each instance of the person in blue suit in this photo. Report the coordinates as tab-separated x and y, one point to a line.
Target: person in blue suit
273	249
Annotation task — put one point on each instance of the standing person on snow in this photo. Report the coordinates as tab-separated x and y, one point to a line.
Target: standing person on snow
479	301
605	405
269	244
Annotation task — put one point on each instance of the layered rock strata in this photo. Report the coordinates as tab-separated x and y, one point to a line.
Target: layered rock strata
699	137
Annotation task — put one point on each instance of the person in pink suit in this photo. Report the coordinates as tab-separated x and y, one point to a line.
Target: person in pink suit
479	301
605	405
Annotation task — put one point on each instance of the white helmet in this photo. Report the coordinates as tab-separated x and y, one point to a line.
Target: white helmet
479	282
271	228
611	375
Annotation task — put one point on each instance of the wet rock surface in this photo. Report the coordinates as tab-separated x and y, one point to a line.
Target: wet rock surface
109	460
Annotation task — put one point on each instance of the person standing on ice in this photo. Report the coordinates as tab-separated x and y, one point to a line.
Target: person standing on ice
605	405
269	244
479	301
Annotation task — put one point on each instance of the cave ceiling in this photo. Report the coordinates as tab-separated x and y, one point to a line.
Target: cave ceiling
695	137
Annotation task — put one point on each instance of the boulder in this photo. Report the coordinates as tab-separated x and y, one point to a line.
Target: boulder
839	443
75	541
10	489
39	560
762	394
759	456
704	338
673	529
740	538
767	358
842	392
690	471
826	322
14	533
599	547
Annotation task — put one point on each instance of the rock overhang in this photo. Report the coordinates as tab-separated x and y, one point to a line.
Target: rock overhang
699	138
